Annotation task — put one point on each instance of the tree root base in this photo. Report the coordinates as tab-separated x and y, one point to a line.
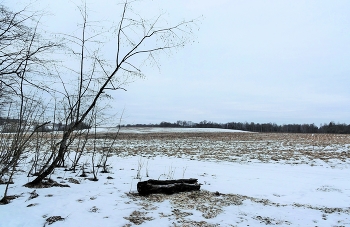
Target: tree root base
45	184
7	199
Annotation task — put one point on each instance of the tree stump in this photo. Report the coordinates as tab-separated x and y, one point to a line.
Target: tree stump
167	186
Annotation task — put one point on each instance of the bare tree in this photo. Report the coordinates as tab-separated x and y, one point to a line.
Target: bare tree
22	50
138	42
21	58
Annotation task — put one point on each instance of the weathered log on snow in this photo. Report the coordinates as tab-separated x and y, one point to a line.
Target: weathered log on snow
167	186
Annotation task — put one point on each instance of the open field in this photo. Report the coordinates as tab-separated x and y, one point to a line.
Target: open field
248	179
241	147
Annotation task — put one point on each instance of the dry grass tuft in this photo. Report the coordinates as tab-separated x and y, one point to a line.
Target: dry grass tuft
208	203
271	221
53	219
138	217
74	181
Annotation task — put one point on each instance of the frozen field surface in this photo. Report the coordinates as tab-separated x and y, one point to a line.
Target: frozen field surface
164	130
248	179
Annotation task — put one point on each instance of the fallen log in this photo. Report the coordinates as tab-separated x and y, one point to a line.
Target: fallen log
167	186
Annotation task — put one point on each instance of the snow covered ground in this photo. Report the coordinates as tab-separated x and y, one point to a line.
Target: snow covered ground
275	181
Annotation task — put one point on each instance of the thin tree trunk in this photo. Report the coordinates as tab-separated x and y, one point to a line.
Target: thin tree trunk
54	163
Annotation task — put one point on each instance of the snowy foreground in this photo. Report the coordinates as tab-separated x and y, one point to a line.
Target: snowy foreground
237	190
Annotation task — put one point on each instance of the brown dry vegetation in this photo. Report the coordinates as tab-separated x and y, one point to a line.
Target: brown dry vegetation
237	147
210	205
287	148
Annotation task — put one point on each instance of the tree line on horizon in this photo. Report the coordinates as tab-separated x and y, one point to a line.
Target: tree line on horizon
7	125
331	127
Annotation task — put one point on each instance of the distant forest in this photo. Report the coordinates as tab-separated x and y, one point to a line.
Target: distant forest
6	125
335	128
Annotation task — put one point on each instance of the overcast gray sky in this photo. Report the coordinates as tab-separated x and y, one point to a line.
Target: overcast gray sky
257	61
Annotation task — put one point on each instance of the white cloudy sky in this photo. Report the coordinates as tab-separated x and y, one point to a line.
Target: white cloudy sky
257	61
